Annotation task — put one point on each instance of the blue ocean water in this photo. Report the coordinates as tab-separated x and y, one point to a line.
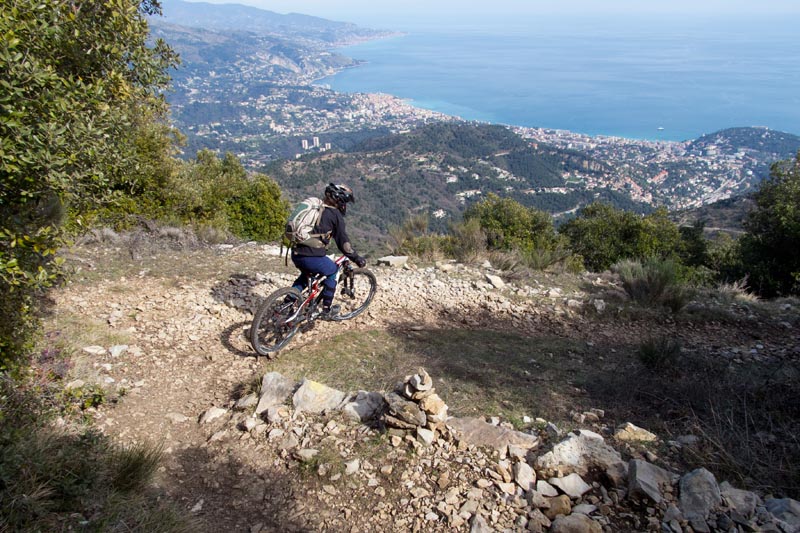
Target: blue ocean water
665	78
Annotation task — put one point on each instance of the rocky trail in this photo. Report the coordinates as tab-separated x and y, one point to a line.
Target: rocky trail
254	444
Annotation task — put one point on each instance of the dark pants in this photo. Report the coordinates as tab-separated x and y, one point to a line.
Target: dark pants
317	265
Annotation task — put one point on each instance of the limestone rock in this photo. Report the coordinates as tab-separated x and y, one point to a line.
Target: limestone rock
405	410
572	485
496	281
524	475
575	523
785	509
275	388
395	261
212	414
580	453
699	495
364	407
646	480
743	502
560	505
631	433
314	397
479	433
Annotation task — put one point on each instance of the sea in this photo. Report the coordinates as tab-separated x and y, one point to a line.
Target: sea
658	78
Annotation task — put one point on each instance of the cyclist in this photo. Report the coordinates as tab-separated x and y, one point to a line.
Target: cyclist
311	257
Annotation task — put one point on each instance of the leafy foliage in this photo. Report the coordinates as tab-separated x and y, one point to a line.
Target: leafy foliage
510	225
604	235
770	248
654	282
220	193
80	83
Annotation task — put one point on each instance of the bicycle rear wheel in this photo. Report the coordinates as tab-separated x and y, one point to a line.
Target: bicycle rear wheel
357	290
270	330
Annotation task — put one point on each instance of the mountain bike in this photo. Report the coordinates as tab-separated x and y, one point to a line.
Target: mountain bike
287	310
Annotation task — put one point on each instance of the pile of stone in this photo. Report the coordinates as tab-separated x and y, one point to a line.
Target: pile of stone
487	474
415	406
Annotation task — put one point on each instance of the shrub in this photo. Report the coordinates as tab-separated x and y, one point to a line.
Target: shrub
659	353
72	478
468	241
653	283
604	235
770	248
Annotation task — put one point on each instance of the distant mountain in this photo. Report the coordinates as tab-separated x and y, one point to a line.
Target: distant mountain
441	168
760	143
724	216
235	17
224	60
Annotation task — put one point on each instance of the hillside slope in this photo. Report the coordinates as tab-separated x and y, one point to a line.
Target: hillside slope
169	330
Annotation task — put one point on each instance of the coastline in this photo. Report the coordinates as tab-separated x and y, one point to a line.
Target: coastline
601	102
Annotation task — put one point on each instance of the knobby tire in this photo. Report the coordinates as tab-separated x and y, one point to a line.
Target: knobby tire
269	333
364	285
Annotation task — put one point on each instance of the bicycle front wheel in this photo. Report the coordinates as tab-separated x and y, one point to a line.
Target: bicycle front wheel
271	330
357	290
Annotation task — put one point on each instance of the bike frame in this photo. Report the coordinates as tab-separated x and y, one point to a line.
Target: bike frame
315	287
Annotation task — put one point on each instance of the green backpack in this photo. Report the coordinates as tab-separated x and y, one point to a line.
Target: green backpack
302	222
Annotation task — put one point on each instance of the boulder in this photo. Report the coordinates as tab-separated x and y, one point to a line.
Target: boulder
575	523
560	505
275	388
314	397
477	432
699	495
212	414
364	406
581	453
646	480
496	281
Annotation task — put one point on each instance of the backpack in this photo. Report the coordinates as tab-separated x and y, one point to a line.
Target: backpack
302	221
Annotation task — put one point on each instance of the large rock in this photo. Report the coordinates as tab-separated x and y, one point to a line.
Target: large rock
647	481
572	485
393	260
524	475
275	388
575	523
364	406
699	496
480	433
580	454
743	502
405	410
630	433
785	509
313	397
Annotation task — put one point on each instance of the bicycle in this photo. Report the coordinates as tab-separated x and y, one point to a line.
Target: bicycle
287	309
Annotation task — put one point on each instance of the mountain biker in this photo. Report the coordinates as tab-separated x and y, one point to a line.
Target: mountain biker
311	257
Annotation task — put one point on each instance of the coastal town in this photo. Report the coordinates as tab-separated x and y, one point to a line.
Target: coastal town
264	107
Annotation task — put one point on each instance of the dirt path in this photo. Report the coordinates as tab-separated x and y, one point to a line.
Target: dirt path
186	353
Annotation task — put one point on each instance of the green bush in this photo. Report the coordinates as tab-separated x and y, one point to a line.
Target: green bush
654	283
509	225
770	248
467	241
659	353
604	235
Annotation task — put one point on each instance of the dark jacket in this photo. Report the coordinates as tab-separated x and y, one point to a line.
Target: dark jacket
332	226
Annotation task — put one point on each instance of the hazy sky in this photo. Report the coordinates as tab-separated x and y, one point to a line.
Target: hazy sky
384	13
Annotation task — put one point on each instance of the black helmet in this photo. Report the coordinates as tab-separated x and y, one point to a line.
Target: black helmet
340	195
